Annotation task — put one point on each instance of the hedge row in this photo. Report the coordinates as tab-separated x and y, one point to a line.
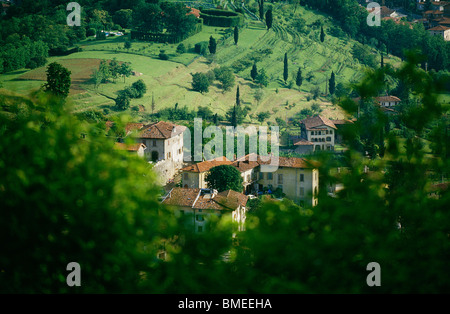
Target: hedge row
221	18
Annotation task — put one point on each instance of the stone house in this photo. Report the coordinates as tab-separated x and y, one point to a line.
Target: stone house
320	131
198	205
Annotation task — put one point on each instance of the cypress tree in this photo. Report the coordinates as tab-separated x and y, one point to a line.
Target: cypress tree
285	71
238	101
299	78
332	83
322	34
254	72
212	45
382	60
236	35
261	9
269	19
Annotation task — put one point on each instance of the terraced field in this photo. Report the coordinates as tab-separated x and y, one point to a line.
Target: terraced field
170	81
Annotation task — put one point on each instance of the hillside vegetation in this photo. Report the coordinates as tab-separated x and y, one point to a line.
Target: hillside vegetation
169	81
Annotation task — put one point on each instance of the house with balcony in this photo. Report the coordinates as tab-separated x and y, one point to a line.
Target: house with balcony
320	131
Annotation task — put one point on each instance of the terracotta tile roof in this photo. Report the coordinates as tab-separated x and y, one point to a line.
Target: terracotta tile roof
317	121
203	199
304	142
231	199
439	28
108	124
181	197
246	162
161	130
194	12
130	127
387	98
207	165
384	11
129	147
341	122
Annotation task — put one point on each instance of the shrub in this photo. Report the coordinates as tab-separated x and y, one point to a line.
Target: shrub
201	47
181	48
163	55
90	32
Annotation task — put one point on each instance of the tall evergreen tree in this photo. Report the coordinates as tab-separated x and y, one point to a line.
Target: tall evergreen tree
236	35
254	72
299	78
382	60
212	45
269	19
261	9
286	70
332	83
234	117
238	100
322	34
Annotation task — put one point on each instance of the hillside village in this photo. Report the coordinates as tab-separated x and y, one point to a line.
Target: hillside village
225	146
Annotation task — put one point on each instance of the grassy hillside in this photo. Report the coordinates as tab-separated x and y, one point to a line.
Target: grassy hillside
170	81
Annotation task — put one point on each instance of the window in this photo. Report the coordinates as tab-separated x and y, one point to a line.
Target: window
331	131
302	177
302	191
154	143
199	218
261	175
185	176
328	139
269	176
280	179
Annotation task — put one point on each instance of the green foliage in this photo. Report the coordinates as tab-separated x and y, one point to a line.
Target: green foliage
140	87
181	48
262	78
163	55
200	82
262	116
269	18
332	83
236	35
201	47
224	177
212	45
221	18
127	44
123	100
322	34
225	76
285	68
254	72
104	217
58	80
123	17
364	55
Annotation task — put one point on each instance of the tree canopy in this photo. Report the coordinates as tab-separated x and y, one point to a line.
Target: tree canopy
224	177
